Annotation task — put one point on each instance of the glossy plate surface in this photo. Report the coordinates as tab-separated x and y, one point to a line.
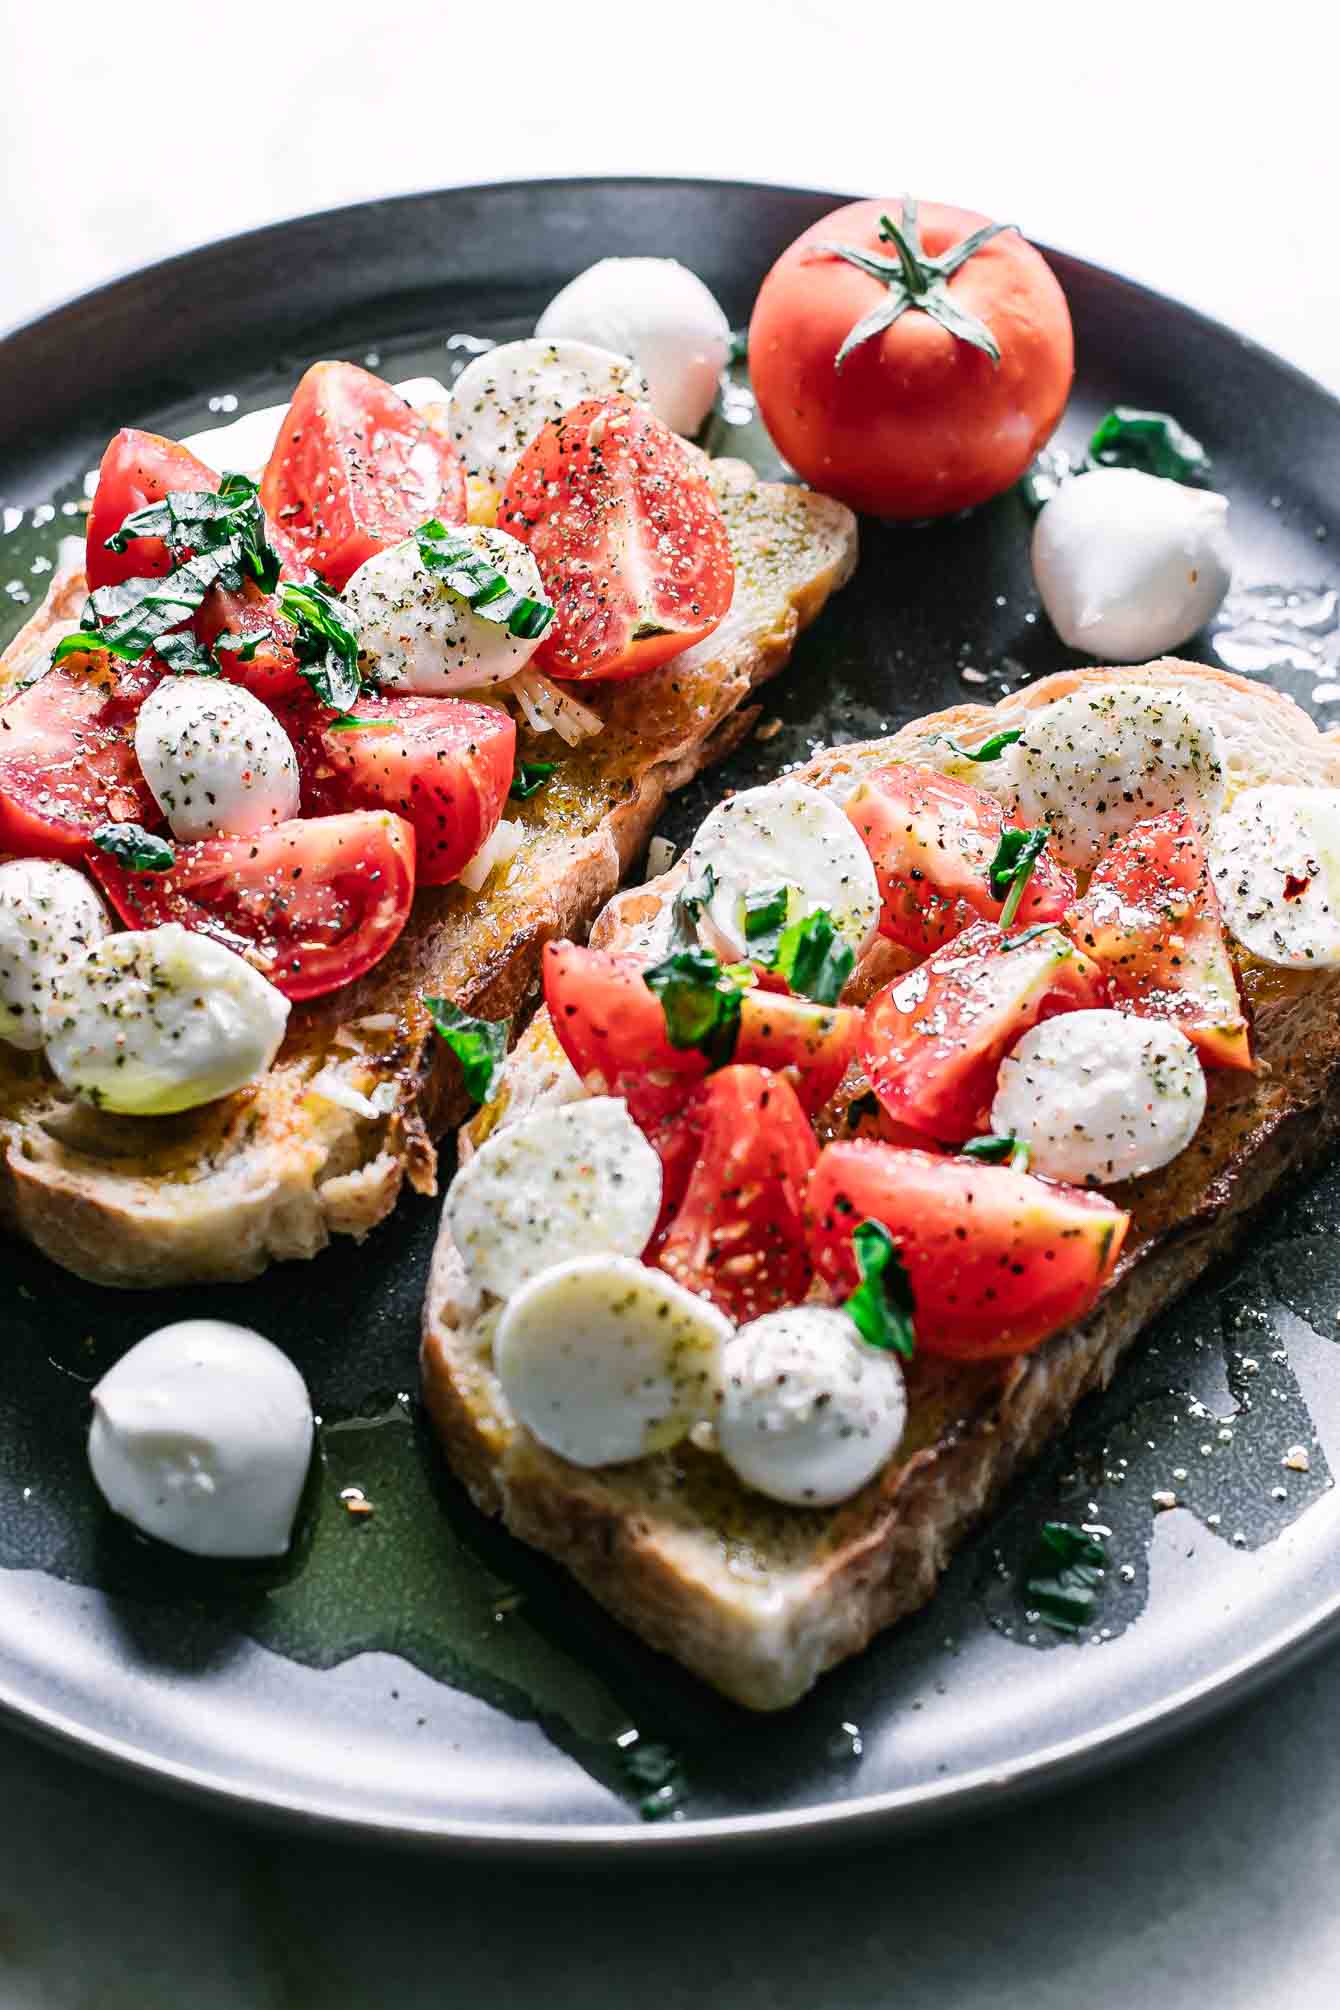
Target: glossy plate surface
413	1672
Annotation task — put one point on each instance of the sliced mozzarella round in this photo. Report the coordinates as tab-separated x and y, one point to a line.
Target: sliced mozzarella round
659	313
506	396
1100	1096
202	1437
1275	864
49	915
809	1413
217	759
417	634
160	1019
1097	761
605	1359
1129	565
783	834
573	1181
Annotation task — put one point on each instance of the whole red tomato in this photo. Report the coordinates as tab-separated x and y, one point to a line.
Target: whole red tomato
917	417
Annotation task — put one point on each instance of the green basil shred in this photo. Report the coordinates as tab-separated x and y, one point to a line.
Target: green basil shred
137	849
700	1001
327	642
1012	867
1153	442
814	959
882	1307
478	1044
990	750
529	778
765	911
1065	1575
486	592
991	1150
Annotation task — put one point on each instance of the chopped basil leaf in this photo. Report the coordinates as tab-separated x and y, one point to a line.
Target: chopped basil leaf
1064	1576
478	1044
185	655
529	778
990	750
327	643
241	647
216	538
764	911
1012	867
882	1307
700	1001
814	959
999	1151
466	571
689	902
1153	442
137	849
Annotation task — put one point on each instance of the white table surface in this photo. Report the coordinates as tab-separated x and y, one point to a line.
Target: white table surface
1191	147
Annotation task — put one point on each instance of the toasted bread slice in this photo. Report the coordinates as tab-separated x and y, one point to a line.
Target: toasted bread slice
305	1153
759	1598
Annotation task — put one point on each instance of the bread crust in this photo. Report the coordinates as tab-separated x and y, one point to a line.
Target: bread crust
758	1599
276	1170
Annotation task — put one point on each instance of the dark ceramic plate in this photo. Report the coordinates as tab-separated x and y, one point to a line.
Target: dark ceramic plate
413	1672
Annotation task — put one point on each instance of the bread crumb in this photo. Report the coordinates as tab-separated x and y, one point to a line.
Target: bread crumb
1297	1459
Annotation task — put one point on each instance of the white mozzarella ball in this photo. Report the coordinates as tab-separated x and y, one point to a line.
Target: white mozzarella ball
202	1437
217	759
1129	565
416	634
783	834
1275	864
659	313
1100	1096
49	915
160	1019
1097	762
574	1181
809	1413
509	394
605	1359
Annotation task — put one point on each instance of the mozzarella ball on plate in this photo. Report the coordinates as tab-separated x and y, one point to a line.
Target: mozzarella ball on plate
416	633
1103	758
1275	864
49	915
202	1437
1100	1096
1129	565
605	1359
160	1019
218	761
659	313
579	1180
505	397
809	1413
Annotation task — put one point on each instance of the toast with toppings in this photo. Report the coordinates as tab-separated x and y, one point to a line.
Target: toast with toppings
362	1089
757	1597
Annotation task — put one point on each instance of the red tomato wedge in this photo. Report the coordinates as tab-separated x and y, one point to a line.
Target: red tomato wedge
313	903
67	757
612	1026
443	764
267	662
932	841
137	469
737	1235
997	1260
631	544
355	469
934	1040
1150	917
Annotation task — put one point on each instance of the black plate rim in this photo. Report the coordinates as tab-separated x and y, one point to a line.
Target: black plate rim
984	1791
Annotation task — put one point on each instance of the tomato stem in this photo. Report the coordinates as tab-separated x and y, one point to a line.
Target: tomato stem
915	279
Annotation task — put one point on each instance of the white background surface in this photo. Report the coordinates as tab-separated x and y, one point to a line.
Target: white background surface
1191	146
